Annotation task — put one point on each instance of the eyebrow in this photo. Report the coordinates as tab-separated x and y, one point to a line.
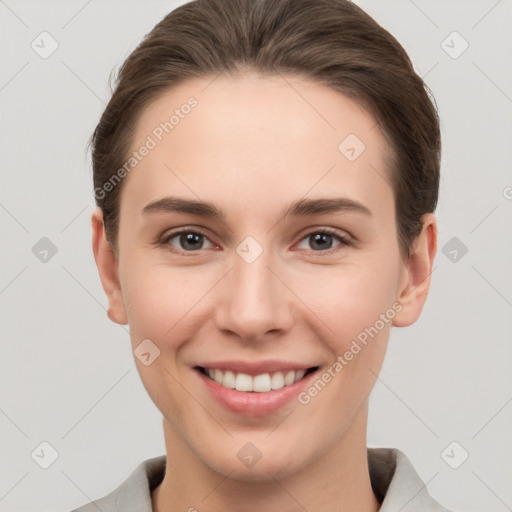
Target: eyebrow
300	208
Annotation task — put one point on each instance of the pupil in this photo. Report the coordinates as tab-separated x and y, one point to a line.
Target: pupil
189	239
320	239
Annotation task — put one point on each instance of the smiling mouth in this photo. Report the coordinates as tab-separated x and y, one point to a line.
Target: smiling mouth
261	383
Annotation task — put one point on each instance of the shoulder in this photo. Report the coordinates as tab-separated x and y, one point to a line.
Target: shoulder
134	494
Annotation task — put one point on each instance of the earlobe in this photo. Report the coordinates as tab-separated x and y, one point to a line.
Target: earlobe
418	269
106	262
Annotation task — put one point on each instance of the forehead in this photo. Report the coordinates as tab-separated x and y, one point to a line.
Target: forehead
242	137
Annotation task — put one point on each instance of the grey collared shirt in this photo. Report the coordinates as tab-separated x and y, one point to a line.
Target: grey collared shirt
395	483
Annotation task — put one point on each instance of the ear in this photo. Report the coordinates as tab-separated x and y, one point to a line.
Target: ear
106	262
415	281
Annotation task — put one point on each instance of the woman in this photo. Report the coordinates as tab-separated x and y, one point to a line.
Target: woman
266	175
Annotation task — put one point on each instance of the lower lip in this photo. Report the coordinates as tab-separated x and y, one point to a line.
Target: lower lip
252	403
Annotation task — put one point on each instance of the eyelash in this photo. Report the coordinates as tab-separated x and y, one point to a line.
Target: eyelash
344	241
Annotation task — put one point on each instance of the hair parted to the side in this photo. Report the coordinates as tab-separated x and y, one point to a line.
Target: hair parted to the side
333	42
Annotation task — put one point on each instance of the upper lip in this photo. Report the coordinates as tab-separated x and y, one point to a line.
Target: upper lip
256	367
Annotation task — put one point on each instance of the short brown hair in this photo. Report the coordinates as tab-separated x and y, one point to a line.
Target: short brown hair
333	42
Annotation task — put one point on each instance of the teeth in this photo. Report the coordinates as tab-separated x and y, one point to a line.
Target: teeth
277	381
288	379
229	380
243	382
259	383
299	375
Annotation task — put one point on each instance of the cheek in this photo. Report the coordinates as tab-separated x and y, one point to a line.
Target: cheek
348	299
355	308
162	302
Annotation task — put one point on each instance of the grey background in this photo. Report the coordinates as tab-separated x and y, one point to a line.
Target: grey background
67	372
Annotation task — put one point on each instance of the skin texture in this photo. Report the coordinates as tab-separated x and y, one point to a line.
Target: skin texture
252	146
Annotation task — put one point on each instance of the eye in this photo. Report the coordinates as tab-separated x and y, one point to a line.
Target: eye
322	240
187	240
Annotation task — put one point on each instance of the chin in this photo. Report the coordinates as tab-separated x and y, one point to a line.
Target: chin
274	467
256	475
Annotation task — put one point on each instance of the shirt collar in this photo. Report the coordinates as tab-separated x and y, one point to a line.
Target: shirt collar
397	485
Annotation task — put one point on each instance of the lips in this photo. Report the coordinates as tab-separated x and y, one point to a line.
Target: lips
253	398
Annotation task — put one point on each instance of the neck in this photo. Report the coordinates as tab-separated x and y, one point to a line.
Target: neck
338	480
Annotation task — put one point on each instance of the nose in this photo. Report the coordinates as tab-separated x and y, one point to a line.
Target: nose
254	303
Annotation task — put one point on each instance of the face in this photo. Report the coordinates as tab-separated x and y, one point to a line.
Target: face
278	278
